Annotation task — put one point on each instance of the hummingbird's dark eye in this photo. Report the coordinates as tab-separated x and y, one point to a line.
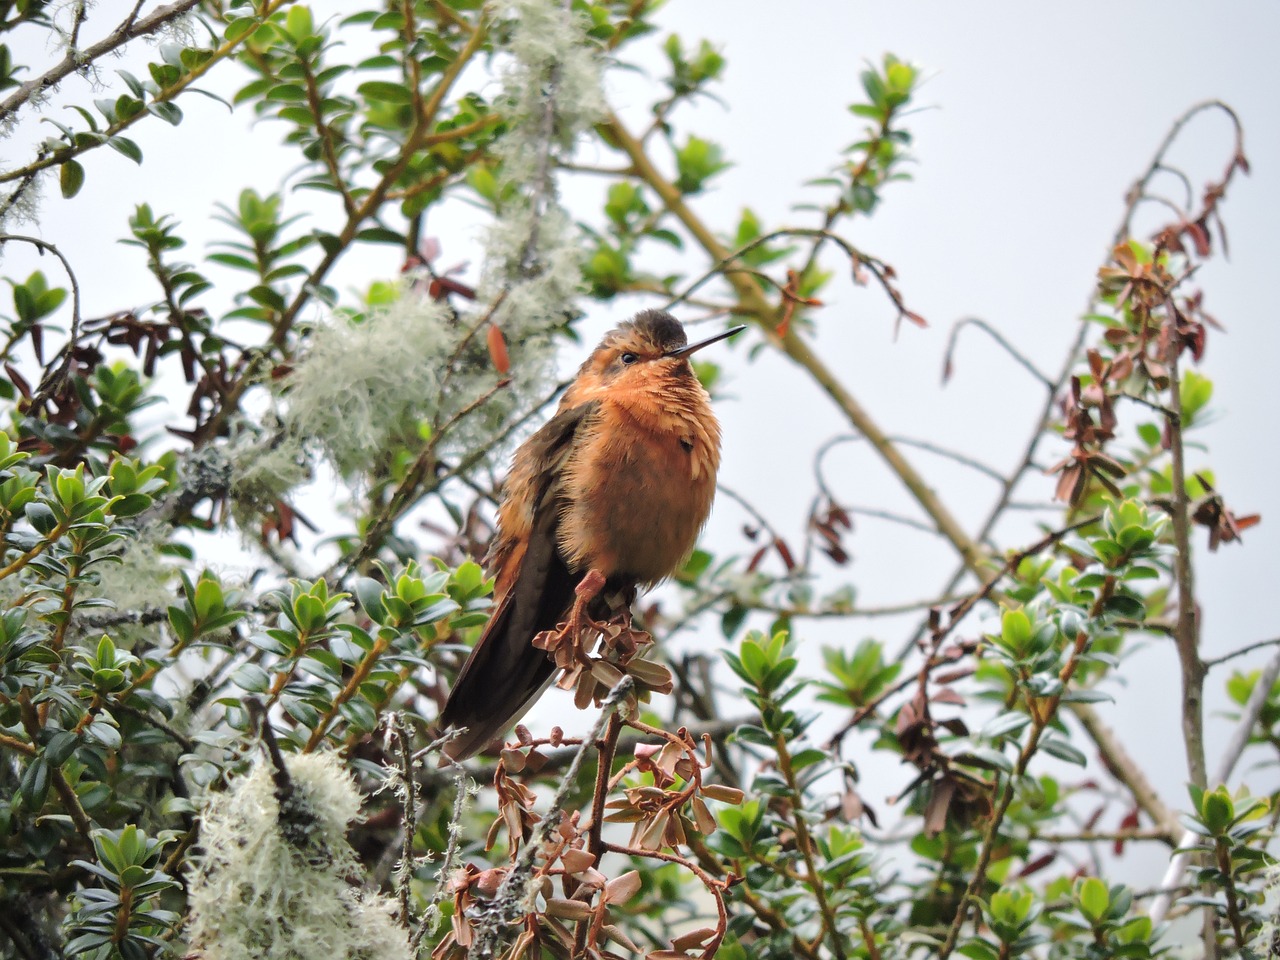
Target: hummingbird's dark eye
628	358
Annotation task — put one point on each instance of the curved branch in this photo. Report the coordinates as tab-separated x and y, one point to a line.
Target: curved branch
999	338
1248	648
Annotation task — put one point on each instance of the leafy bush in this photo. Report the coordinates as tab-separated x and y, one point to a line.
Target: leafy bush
244	766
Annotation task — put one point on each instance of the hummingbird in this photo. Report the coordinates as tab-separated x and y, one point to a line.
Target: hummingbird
608	497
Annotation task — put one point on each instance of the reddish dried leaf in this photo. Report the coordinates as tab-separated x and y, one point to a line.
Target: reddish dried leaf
693	939
718	791
623	888
576	861
1130	822
498	350
567	909
935	812
1038	864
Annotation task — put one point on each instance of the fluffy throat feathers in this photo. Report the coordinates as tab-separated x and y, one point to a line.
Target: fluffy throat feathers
674	410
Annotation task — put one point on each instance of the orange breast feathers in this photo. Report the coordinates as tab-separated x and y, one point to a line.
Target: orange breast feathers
638	488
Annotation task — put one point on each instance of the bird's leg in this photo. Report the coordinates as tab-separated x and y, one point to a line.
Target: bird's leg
587	590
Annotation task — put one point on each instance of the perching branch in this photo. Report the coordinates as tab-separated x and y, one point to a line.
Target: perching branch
509	905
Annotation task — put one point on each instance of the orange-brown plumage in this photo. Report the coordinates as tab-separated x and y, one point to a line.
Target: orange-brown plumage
619	482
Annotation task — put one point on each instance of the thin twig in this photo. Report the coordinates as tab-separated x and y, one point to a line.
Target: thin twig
998	337
1042	716
1132	199
1187	631
1124	768
129	29
606	750
1249	648
464	789
60	367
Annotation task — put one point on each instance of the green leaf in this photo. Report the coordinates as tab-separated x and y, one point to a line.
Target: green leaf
61	745
1093	898
126	147
382	90
70	178
181	623
299	23
732	619
1004	724
251	678
166	111
240	28
35	783
1057	747
1015	632
380	235
106	734
1217	811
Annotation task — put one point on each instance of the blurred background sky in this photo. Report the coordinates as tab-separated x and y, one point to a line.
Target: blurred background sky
1033	121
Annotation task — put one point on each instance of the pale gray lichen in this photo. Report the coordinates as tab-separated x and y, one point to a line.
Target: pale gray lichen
266	464
142	578
1266	943
22	205
180	29
362	388
551	95
262	889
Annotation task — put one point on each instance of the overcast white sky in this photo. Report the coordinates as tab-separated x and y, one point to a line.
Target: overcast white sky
1037	119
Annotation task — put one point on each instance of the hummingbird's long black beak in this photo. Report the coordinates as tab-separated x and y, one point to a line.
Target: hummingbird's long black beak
695	347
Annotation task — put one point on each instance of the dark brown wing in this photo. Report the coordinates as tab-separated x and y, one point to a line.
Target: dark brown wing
505	673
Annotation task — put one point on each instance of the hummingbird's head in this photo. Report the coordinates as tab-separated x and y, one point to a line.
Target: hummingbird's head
651	344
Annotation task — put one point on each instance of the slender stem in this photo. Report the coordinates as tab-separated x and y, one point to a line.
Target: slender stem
1246	649
1125	769
1187	631
31	722
358	676
62	154
20	746
18	563
1223	853
595	843
315	104
408	492
714	887
804	841
1132	200
507	906
1226	764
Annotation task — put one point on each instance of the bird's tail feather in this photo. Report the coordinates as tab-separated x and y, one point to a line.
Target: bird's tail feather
505	672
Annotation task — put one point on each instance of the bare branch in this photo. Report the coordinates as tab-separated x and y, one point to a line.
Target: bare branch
1187	631
129	29
1248	648
998	337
